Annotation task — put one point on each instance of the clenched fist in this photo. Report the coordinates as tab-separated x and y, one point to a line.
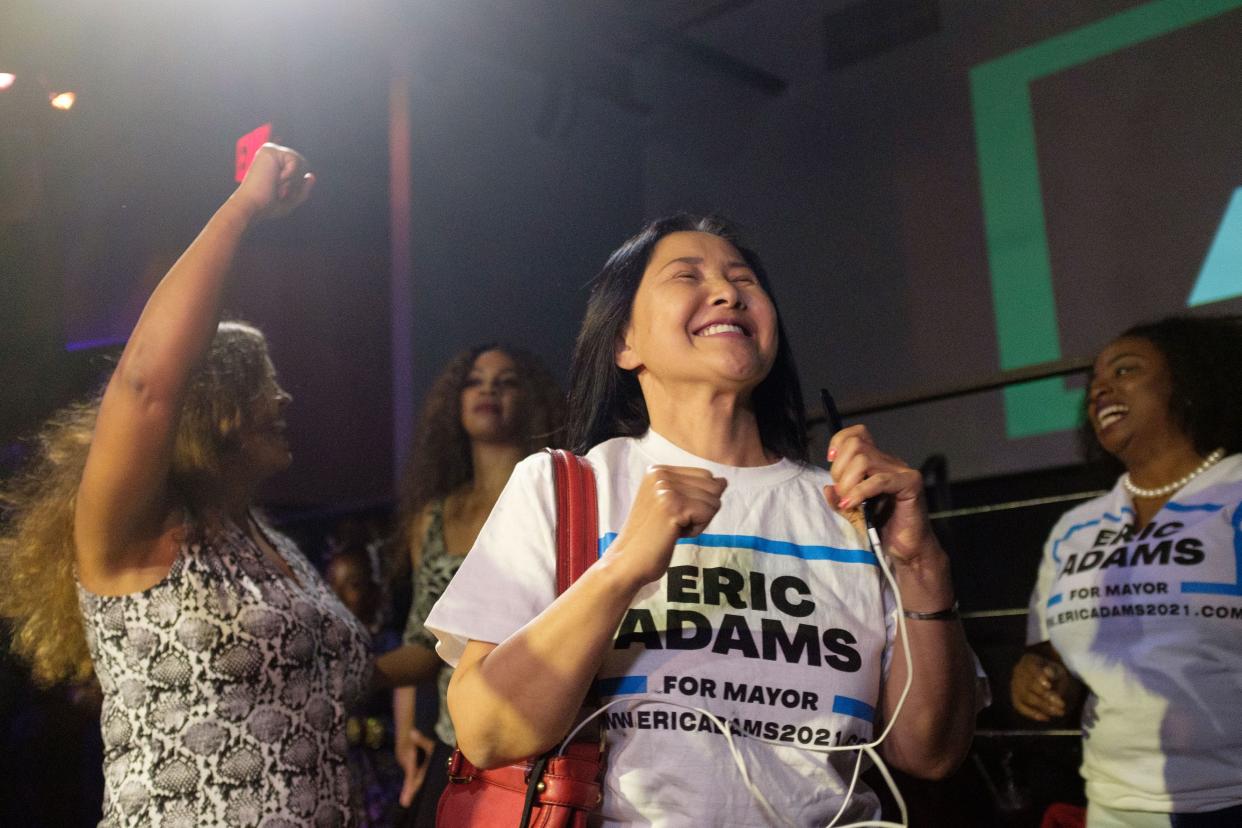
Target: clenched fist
276	183
672	502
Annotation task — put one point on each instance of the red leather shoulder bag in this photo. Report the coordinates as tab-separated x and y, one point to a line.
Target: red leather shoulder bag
555	790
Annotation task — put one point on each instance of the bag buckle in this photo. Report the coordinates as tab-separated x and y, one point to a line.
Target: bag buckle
531	767
455	762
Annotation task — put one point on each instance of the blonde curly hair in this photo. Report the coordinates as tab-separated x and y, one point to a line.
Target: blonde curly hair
38	591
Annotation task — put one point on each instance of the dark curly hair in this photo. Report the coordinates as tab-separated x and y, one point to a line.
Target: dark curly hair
1204	355
605	400
441	461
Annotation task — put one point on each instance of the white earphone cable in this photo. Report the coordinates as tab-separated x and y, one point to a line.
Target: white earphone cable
868	749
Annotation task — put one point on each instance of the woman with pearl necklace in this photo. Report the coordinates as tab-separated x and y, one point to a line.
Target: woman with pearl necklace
1138	602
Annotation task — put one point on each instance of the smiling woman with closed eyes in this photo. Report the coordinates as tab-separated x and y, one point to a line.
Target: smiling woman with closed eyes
726	561
1136	587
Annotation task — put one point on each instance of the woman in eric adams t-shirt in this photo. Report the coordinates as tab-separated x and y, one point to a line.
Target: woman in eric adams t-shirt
1137	599
730	578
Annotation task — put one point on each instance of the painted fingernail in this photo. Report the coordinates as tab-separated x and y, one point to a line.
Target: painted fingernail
845	503
832	453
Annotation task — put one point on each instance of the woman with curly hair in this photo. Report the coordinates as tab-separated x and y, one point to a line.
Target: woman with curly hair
1139	590
491	406
133	551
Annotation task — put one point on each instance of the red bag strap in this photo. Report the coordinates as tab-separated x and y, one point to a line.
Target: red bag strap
577	517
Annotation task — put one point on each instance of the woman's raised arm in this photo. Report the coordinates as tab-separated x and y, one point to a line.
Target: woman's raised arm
122	501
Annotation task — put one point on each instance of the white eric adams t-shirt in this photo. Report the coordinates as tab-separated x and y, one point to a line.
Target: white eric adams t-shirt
775	619
1150	618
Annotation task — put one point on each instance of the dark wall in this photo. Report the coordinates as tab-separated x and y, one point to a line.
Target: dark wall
861	188
512	215
516	205
123	182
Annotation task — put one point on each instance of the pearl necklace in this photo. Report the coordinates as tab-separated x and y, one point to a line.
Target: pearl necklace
1209	461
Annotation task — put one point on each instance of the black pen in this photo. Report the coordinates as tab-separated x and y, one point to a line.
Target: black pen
835	424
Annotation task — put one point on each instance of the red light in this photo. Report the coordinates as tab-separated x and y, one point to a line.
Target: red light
247	146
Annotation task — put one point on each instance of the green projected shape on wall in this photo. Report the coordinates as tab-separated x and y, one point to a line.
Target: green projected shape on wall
1221	275
1013	209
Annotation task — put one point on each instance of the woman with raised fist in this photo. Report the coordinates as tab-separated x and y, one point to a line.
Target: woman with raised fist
134	553
730	579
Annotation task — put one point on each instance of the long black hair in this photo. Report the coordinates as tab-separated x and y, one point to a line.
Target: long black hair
1204	355
605	400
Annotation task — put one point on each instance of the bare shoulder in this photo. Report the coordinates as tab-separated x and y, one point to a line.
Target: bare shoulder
462	510
456	503
416	530
142	563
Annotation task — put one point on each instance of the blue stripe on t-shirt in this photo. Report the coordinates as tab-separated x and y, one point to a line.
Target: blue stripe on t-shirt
768	546
1087	524
1193	507
1217	587
621	685
853	707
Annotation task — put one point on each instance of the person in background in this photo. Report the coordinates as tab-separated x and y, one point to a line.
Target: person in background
1137	598
491	406
374	771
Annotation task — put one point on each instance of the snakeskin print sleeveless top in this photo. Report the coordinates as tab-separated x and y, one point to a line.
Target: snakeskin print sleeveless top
436	567
225	691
